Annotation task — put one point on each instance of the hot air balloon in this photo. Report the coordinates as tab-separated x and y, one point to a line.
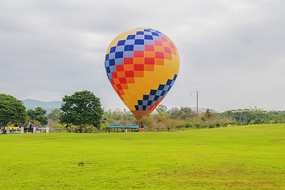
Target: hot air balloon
142	65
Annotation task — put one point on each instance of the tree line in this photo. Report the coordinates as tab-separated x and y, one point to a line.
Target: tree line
254	116
82	112
80	109
184	117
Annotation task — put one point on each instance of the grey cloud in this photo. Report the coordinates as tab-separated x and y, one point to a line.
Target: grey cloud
231	51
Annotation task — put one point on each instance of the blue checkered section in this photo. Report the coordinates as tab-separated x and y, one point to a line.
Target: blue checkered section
155	95
125	48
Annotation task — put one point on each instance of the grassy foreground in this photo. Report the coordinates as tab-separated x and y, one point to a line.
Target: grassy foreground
247	157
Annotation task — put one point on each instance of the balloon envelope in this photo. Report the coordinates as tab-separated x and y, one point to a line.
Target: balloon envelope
142	65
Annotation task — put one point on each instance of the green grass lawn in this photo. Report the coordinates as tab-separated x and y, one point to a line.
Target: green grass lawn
246	157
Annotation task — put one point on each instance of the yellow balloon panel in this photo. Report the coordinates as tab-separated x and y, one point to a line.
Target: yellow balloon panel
142	65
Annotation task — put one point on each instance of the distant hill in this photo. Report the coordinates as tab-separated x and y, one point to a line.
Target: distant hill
203	109
48	106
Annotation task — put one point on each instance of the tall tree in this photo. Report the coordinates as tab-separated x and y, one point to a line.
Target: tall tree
82	108
54	114
11	110
182	113
161	109
38	115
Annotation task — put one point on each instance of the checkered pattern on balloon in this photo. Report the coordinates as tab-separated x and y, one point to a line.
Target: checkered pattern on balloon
142	65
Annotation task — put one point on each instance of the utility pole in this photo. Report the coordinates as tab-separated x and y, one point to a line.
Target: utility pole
197	98
197	103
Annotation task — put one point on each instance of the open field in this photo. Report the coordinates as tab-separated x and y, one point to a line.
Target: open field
246	157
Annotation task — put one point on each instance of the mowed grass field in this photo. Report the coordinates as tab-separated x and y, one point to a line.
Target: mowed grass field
245	157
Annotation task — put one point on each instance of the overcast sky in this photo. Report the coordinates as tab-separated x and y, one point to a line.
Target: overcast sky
232	52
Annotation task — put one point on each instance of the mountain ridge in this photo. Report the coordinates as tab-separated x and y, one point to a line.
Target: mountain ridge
48	106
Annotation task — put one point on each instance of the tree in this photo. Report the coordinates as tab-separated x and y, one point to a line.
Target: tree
54	114
170	124
182	113
11	110
82	108
161	109
186	112
209	115
38	115
36	123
